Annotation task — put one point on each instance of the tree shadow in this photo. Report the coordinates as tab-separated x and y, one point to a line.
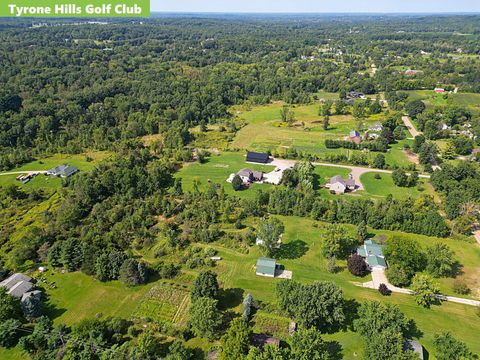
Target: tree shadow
316	181
457	270
230	298
413	331
291	250
335	350
351	313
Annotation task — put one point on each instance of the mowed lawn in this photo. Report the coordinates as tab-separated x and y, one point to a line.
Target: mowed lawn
384	186
217	169
302	254
84	162
265	131
77	296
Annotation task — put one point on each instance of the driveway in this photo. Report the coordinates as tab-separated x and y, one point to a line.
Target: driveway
24	172
274	177
379	277
408	123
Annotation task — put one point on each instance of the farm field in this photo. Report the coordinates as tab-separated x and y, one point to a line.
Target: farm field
265	131
217	170
84	162
470	100
304	258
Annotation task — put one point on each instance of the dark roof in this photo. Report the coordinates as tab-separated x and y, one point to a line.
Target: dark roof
257	157
63	170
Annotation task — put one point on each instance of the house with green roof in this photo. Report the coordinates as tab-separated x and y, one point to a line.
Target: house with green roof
266	267
373	254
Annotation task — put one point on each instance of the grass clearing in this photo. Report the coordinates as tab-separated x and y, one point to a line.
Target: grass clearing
217	170
84	162
305	259
384	186
265	131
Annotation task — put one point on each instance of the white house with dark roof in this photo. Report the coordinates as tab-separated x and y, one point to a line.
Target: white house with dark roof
249	175
340	185
63	171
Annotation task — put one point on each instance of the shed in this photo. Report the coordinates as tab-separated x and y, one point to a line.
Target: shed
266	267
256	157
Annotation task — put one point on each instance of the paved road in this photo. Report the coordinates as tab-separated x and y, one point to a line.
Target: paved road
24	172
410	126
379	277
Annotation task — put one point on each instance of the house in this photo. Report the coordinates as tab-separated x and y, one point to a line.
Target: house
259	158
17	285
439	90
376	128
414	346
355	137
249	175
355	95
373	254
63	171
266	267
260	340
340	185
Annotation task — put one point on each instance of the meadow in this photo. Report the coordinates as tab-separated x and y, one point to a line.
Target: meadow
84	162
264	131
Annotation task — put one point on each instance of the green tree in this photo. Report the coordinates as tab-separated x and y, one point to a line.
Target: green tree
205	285
415	108
269	232
236	341
449	348
133	272
400	178
406	253
449	152
205	317
237	183
320	304
9	332
362	232
424	290
398	276
325	109
336	241
307	344
358	111
326	122
374	317
379	161
9	306
440	260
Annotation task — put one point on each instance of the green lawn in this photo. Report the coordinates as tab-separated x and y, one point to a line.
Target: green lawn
217	170
304	258
265	131
78	296
385	186
42	181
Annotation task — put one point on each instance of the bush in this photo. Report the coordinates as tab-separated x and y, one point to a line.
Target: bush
459	287
383	289
398	276
357	265
377	176
332	265
237	183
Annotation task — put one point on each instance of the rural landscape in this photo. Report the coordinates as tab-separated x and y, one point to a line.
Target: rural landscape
220	186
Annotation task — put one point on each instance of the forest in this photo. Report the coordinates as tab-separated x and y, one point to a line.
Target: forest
151	95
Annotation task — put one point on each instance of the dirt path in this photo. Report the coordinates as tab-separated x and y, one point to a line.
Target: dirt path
408	123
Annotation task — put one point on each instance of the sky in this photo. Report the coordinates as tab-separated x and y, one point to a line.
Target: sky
317	6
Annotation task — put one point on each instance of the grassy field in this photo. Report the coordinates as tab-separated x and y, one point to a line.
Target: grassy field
385	186
265	131
84	162
77	296
304	258
469	100
217	170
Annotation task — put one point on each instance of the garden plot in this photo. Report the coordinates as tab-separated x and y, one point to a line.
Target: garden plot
164	302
